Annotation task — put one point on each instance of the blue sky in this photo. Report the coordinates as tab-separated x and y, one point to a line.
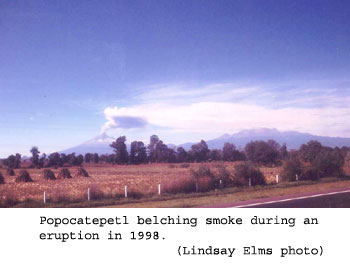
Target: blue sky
184	70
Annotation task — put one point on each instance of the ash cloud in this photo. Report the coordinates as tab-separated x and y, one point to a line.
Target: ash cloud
123	122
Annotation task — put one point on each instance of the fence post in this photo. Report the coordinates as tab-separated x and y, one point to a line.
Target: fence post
44	197
250	182
296	177
88	194
126	191
220	184
159	189
197	187
277	179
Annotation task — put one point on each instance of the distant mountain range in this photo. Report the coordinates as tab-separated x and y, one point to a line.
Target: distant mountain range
292	139
99	144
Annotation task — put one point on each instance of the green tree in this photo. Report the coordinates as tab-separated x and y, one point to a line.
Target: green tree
161	152
262	152
121	153
63	159
200	151
54	160
329	163
42	160
292	168
228	151
13	161
215	155
79	160
96	158
308	152
181	155
35	156
246	172
154	140
138	152
88	158
283	152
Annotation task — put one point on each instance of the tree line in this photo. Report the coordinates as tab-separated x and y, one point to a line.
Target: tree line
313	161
268	153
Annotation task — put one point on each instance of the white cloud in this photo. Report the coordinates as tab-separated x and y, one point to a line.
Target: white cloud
223	117
229	107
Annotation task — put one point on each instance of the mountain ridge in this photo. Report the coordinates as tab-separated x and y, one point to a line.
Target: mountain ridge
293	140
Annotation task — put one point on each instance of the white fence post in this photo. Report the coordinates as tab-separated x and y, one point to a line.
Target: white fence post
277	178
89	194
296	177
159	189
126	191
44	197
220	184
250	182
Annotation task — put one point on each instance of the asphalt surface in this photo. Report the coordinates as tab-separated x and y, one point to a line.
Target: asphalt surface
336	198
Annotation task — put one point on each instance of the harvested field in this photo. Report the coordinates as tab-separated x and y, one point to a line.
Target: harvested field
48	174
108	181
81	172
104	181
10	172
64	173
23	176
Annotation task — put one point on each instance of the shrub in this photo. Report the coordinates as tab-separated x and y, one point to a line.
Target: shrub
204	178
244	172
329	163
64	174
23	176
291	168
10	172
202	171
206	183
311	174
49	175
180	185
224	176
172	166
81	172
2	179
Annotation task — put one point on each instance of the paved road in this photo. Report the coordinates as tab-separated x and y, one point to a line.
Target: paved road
336	198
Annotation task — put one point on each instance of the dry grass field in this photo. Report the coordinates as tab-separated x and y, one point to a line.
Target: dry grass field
108	182
105	181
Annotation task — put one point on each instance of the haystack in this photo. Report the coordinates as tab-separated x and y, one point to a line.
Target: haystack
23	176
2	179
49	175
10	172
64	174
81	172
